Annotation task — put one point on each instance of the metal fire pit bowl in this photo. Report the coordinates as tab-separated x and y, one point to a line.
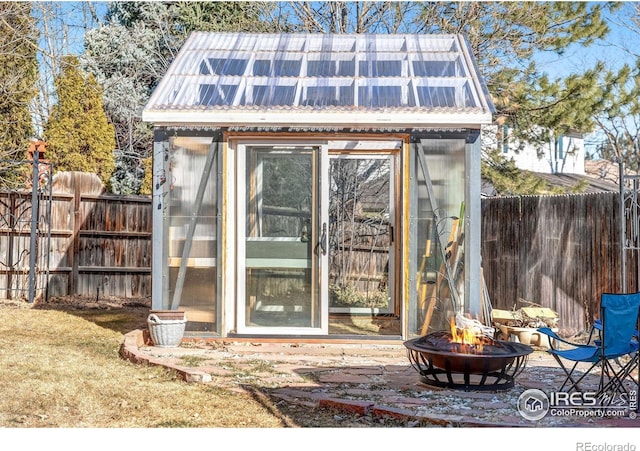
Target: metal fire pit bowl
493	369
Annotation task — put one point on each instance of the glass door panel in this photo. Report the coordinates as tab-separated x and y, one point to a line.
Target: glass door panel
361	234
280	279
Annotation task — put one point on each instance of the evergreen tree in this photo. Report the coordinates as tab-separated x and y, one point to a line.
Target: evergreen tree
507	179
130	54
221	16
79	136
618	116
18	76
504	37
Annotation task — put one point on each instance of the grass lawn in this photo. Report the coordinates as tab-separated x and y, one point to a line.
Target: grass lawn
60	368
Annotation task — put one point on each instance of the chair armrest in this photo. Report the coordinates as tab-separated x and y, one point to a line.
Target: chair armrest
554	336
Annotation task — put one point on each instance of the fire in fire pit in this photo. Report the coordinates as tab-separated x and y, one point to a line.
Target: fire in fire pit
465	359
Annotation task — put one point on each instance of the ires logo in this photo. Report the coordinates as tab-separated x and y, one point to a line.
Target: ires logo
574	399
591	399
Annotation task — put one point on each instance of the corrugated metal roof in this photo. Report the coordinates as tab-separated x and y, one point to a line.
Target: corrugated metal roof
234	78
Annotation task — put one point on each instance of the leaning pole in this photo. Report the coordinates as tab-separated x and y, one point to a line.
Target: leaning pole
34	227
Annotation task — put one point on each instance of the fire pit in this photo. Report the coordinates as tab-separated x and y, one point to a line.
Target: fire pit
484	364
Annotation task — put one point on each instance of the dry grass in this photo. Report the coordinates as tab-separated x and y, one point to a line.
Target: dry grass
62	370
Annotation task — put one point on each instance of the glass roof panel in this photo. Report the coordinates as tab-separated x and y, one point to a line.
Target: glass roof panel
287	67
435	68
323	72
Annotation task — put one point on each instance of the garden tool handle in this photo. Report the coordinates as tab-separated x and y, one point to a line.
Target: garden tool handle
322	244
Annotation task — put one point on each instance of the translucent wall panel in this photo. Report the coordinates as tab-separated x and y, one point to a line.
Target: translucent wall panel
192	229
440	178
445	159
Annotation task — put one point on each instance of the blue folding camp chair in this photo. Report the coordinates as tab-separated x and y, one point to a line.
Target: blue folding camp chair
595	337
617	338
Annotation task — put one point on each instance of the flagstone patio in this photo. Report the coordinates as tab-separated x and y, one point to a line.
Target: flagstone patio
367	379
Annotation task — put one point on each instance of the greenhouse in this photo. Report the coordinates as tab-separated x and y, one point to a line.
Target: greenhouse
318	186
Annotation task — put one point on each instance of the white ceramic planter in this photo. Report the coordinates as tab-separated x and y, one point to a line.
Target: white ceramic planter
525	335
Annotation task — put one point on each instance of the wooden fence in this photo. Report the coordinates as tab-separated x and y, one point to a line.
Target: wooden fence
89	243
560	252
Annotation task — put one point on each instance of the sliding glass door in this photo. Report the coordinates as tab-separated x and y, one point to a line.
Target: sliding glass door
315	240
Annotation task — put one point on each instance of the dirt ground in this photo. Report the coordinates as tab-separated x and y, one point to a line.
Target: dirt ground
134	305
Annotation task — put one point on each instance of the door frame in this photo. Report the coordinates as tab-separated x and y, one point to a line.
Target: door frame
233	248
319	266
392	156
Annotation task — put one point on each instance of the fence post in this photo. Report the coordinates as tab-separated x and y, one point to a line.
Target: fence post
75	240
34	226
11	237
623	231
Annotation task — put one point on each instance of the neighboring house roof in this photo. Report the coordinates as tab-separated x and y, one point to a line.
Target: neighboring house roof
597	180
379	80
603	170
567	181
